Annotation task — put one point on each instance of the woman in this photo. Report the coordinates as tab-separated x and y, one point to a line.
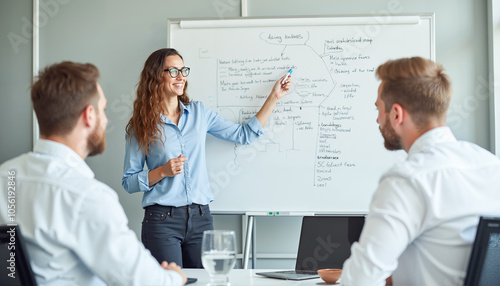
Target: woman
167	132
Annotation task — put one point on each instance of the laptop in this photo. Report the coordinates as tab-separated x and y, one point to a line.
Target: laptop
325	242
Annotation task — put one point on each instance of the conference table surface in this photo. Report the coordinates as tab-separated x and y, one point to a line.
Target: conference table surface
247	277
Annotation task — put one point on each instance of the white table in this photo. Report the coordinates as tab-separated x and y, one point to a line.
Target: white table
247	277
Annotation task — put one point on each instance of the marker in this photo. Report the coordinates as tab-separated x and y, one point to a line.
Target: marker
287	76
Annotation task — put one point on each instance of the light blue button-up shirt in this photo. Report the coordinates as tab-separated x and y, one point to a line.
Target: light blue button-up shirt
187	138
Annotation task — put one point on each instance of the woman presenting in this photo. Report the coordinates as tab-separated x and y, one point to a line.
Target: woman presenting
167	131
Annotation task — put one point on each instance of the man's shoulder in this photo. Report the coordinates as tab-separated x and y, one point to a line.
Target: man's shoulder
86	188
89	198
34	168
449	155
458	154
92	186
15	162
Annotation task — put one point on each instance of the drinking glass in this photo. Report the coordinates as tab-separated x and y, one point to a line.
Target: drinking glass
218	255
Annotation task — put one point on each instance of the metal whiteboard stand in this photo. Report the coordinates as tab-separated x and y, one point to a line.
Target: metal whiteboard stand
250	237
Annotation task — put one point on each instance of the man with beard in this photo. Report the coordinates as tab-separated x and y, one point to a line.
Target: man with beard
74	225
424	214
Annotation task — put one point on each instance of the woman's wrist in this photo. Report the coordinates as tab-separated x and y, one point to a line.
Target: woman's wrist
162	172
273	96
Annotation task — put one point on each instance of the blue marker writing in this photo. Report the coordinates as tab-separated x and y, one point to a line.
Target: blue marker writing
287	76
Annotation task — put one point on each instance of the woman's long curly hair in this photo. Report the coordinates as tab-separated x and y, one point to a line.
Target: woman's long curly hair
148	106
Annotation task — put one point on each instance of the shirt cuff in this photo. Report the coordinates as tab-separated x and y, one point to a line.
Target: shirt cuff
143	178
255	126
177	278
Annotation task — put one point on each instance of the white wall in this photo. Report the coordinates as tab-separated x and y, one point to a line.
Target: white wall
118	35
15	78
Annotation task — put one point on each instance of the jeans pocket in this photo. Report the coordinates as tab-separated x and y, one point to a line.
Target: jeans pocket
205	212
154	217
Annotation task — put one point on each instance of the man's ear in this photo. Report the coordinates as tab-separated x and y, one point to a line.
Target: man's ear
397	115
88	115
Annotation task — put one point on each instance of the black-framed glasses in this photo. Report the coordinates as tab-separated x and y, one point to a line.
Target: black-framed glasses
174	72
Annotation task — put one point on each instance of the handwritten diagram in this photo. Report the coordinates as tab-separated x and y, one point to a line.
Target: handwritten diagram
321	106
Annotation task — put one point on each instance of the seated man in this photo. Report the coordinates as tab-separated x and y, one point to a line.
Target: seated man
75	228
423	216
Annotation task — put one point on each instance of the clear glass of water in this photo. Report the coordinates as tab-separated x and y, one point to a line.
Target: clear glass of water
218	255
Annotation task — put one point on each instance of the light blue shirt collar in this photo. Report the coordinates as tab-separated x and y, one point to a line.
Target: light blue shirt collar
183	109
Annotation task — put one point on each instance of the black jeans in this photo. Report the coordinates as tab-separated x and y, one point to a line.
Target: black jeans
174	234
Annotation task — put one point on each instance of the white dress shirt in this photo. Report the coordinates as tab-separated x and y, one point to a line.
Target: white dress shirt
423	216
75	228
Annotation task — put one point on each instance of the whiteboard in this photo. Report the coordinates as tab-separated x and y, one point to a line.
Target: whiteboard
321	151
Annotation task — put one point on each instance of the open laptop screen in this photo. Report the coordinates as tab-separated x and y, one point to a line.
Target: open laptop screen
325	241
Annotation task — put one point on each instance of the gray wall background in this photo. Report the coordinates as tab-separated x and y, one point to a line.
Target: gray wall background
118	35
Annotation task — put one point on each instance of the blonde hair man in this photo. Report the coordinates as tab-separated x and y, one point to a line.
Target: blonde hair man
424	213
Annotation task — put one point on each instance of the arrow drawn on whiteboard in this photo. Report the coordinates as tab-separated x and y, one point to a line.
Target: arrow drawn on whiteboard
282	52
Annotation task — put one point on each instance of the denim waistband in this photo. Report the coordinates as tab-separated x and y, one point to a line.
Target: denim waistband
170	210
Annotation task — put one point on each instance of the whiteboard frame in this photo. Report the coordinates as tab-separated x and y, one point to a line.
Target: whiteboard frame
36	62
494	74
432	52
430	16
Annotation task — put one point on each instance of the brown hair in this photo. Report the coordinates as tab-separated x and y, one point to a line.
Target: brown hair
144	124
60	94
419	85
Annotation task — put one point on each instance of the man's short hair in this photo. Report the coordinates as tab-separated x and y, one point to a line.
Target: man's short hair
419	85
61	93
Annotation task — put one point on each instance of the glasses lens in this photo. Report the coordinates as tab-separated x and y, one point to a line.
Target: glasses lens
173	72
185	71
